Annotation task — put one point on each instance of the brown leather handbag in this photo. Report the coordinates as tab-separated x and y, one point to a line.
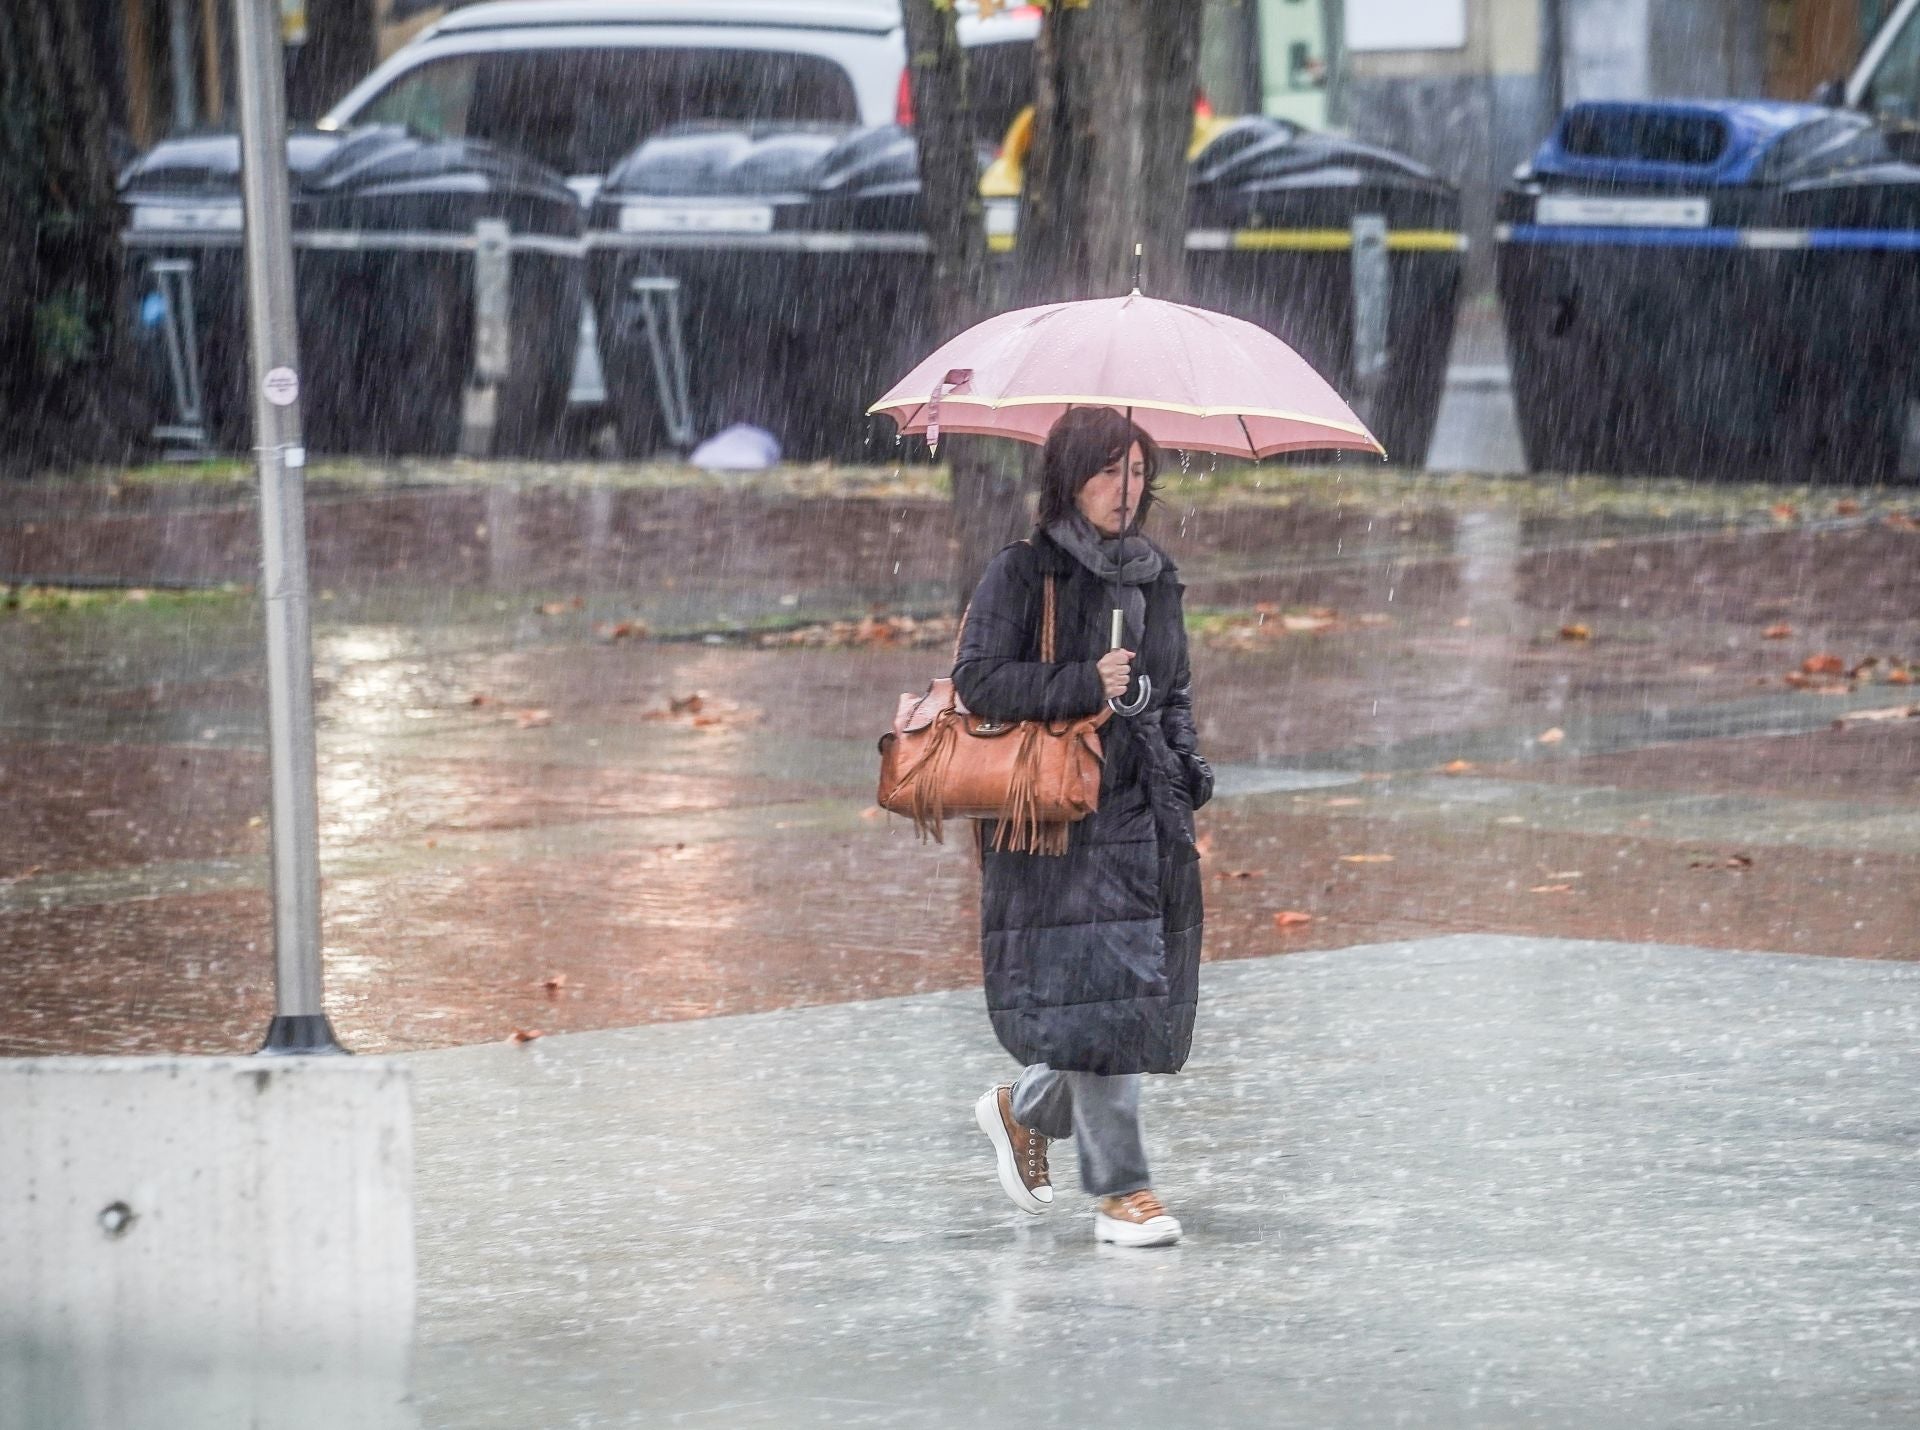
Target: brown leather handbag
1036	778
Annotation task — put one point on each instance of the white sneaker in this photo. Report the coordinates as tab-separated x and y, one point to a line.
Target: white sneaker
1020	1151
1136	1219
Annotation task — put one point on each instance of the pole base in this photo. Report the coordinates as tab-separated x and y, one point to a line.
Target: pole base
301	1035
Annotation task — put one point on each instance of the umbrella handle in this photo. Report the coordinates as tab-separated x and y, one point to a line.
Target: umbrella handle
1139	702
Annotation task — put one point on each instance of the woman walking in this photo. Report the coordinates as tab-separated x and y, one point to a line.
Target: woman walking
1091	958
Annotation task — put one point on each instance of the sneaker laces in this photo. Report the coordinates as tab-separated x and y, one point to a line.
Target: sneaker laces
1141	1206
1037	1157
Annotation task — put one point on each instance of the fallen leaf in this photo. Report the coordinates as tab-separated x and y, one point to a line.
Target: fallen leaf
1575	633
1551	889
560	608
873	811
1550	737
1457	767
1785	511
1366	858
1825	663
624	631
255	822
1900	521
1899	675
1565	874
1203	846
1345	801
1376	618
532	719
554	984
1241	874
524	1035
686	704
1291	919
1463	623
1846	506
1307	624
479	699
1735	862
1865	717
1777	632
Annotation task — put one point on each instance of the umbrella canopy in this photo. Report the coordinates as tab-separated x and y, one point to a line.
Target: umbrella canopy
1194	379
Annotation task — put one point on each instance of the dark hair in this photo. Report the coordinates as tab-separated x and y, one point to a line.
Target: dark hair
1082	444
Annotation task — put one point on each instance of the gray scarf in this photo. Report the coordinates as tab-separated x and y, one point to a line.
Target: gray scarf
1129	562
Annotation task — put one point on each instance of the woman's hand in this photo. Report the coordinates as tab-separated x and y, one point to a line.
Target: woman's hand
1116	672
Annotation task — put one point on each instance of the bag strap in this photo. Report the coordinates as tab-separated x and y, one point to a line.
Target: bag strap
1049	606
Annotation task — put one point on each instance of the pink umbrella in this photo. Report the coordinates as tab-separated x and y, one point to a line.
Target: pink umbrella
1194	379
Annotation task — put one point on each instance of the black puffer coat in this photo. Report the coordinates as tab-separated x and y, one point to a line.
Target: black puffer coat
1092	959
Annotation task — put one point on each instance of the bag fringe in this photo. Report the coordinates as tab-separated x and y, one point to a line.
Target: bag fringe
1020	829
928	776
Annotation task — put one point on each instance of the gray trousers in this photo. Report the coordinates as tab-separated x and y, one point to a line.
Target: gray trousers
1101	1114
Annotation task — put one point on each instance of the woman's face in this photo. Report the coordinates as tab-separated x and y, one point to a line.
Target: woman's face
1100	499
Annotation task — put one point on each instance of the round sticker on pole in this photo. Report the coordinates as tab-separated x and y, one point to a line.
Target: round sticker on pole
282	386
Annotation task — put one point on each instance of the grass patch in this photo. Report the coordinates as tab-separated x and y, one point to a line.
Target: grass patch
1200	481
35	601
1377	488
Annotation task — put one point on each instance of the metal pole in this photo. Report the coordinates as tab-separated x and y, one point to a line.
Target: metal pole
1372	305
1553	60
180	40
300	1022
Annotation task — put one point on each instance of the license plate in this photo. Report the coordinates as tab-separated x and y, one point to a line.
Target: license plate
1570	211
696	218
191	218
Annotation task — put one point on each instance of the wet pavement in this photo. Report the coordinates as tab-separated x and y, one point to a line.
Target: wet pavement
578	769
1468	1181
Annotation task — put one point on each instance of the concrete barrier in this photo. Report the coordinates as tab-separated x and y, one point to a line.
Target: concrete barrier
205	1242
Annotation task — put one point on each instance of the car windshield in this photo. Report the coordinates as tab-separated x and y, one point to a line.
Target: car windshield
582	110
1894	90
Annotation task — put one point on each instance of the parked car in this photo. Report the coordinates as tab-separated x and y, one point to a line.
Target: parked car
578	85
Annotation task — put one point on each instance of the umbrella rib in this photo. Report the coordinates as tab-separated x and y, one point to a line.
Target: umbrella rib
1149	404
1252	450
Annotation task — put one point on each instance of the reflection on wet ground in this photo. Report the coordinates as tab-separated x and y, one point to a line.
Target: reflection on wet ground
1613	720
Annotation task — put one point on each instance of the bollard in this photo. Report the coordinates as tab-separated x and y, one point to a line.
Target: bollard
1372	302
206	1242
492	336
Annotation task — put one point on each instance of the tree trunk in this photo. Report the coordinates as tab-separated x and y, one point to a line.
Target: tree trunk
988	507
1113	117
65	388
341	47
